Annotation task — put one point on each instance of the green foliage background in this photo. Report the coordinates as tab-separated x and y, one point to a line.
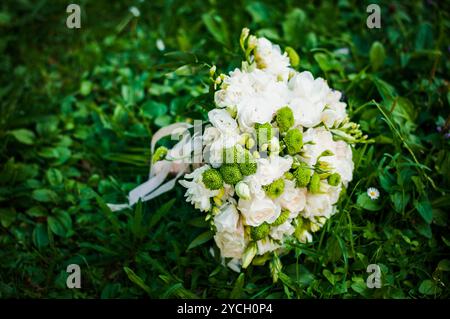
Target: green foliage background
78	108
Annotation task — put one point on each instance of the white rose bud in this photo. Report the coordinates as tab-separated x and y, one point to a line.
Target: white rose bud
242	190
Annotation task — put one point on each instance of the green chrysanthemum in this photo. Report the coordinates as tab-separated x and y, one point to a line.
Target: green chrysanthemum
212	179
334	179
260	232
293	141
282	218
275	189
285	118
246	163
302	176
263	133
314	184
160	154
230	173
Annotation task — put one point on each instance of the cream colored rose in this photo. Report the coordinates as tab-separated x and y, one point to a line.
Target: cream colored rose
293	198
257	211
231	243
227	219
318	205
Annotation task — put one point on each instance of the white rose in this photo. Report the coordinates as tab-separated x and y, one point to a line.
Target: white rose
231	243
318	205
293	198
258	211
227	219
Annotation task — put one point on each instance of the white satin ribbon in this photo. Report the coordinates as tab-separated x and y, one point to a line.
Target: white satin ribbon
152	187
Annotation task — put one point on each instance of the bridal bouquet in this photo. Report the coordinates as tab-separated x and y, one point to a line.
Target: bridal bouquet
276	156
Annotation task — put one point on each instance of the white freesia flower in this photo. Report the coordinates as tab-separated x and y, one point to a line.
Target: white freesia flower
257	211
196	192
222	120
267	245
272	168
269	58
285	229
341	161
243	190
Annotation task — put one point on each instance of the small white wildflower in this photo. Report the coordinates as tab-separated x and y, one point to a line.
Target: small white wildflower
160	45
135	11
373	193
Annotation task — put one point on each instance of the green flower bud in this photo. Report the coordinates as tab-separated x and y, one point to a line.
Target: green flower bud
242	190
212	179
263	133
249	254
246	162
285	118
314	184
293	141
275	189
260	232
282	218
160	154
293	56
302	176
230	173
289	176
334	179
275	267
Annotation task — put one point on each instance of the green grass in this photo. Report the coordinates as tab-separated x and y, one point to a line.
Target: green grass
78	108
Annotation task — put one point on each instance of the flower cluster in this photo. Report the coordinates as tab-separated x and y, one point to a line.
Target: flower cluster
274	168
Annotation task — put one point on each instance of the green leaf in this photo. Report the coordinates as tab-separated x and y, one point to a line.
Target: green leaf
444	265
44	195
153	109
424	37
54	176
24	136
7	216
161	211
331	278
85	87
200	239
377	55
60	223
216	26
365	202
429	287
40	236
294	26
425	210
137	280
238	289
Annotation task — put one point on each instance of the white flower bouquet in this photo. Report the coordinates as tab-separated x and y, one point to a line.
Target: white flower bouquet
275	158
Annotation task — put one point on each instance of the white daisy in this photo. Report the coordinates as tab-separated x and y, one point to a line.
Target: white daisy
373	193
